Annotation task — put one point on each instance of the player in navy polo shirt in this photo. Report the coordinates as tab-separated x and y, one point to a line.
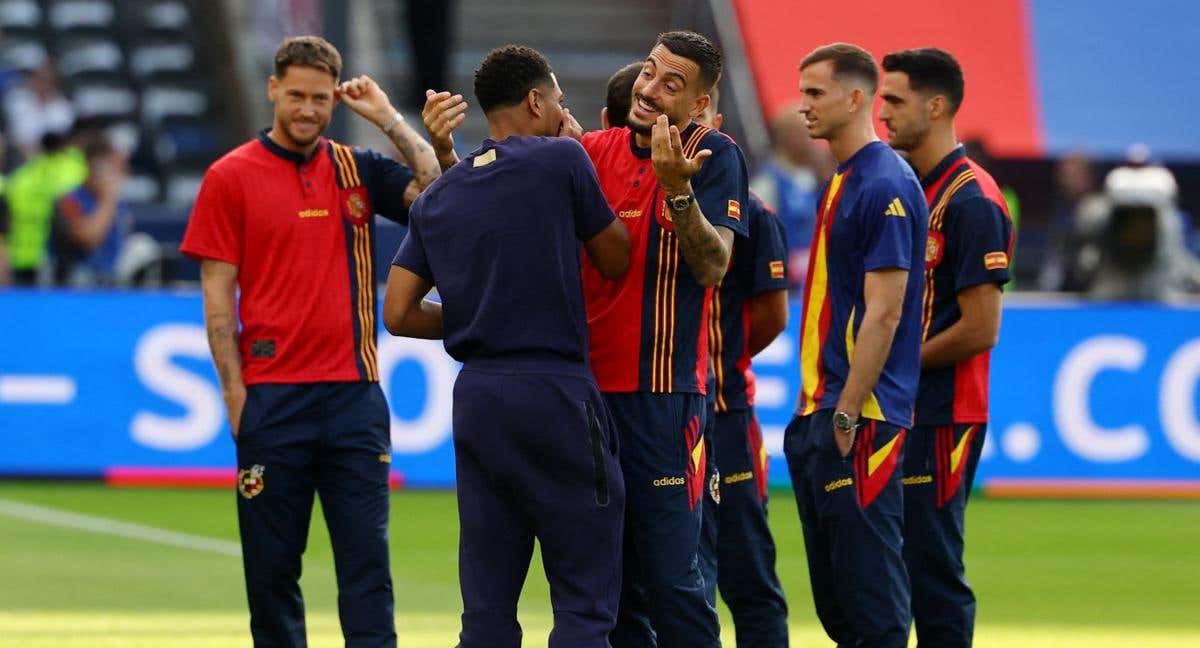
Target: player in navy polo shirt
499	235
966	264
679	188
860	342
288	218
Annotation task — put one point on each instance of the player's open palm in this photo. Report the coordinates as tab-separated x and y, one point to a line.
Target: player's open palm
362	95
672	166
442	114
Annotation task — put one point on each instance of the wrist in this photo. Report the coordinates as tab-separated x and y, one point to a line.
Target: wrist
673	190
388	119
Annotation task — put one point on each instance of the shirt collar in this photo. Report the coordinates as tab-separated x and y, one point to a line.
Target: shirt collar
290	156
938	171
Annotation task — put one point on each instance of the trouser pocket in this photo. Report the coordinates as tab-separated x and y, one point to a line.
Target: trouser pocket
599	468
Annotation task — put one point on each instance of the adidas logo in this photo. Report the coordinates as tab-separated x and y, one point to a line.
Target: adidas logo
895	209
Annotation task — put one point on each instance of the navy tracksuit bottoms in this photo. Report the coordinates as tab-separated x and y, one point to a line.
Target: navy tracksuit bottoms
536	457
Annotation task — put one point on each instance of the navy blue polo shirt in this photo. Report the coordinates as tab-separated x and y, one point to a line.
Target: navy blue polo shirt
499	236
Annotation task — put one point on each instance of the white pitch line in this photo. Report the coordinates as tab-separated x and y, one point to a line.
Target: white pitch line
67	520
47	390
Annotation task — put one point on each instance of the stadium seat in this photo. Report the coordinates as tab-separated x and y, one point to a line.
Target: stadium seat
67	15
186	140
125	136
164	18
87	55
19	15
154	59
182	188
160	102
107	101
140	188
22	54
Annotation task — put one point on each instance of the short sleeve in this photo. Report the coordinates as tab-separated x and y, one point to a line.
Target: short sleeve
770	249
889	217
722	189
592	211
215	228
389	180
411	255
980	238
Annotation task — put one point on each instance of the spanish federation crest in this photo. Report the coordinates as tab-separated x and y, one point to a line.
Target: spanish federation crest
356	207
934	248
714	487
250	482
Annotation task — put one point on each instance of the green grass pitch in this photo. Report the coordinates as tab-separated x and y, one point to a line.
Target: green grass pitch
1086	574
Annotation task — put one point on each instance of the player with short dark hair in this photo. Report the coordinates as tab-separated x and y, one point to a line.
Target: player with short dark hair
860	337
535	452
749	310
618	96
966	264
679	188
288	219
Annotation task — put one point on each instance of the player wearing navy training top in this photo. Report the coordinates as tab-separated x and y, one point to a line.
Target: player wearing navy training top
289	219
679	188
536	456
966	263
859	357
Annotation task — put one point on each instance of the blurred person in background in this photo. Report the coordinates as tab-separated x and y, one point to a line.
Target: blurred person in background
288	219
429	24
1076	192
31	192
618	95
966	265
5	275
789	183
749	310
1133	240
37	108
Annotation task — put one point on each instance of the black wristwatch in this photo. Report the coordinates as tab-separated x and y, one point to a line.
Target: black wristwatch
681	202
843	423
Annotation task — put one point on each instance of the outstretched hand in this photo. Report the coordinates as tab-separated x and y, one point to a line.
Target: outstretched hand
673	168
442	114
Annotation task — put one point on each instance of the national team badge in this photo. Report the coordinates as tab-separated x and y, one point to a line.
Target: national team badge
356	207
995	261
935	245
776	268
734	210
714	487
250	482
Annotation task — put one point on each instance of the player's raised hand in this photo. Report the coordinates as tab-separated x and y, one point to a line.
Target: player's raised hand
673	168
442	114
362	95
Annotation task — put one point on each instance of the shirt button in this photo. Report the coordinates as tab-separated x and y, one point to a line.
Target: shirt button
307	183
641	169
635	183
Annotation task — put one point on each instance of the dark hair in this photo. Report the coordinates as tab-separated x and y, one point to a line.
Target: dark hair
697	49
620	94
848	61
308	51
929	69
98	147
507	74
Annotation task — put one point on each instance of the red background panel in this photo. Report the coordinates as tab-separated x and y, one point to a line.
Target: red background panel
990	39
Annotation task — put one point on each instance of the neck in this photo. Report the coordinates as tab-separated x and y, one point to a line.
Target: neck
934	148
506	123
852	137
278	135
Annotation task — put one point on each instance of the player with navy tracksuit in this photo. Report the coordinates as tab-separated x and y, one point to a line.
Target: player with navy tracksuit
499	236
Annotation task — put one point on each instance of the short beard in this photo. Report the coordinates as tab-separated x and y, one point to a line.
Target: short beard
640	129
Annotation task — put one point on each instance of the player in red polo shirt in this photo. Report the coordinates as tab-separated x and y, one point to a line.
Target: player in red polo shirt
679	188
288	219
966	265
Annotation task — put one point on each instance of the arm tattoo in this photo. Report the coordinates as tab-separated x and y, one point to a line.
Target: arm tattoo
701	245
417	153
223	341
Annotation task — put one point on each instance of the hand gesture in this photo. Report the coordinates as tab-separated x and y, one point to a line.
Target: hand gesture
442	114
673	168
362	95
570	126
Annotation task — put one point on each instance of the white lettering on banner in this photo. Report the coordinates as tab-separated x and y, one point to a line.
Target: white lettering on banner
1177	403
434	425
203	409
1072	386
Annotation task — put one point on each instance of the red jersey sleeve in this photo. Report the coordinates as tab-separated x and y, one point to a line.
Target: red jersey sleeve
215	229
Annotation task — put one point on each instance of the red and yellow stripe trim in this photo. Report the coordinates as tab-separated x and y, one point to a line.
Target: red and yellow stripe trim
364	266
936	216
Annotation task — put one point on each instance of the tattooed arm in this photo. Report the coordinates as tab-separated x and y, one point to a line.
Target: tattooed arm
366	98
705	248
218	280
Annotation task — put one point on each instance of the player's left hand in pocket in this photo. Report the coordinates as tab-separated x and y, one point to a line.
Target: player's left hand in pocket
844	440
362	95
673	168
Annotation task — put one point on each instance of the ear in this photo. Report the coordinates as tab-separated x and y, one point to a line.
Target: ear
858	99
533	101
938	107
718	121
604	125
272	88
700	106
